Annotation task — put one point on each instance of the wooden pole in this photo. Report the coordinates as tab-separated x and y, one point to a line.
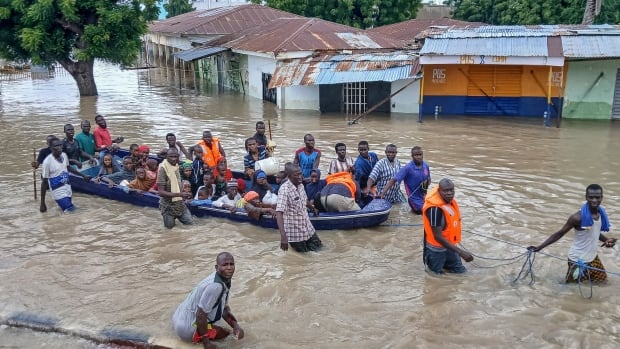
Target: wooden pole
34	173
354	121
269	123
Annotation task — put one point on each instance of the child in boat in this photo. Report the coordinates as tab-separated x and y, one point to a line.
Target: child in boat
108	166
250	202
207	184
186	188
198	169
229	200
202	197
280	177
141	183
144	155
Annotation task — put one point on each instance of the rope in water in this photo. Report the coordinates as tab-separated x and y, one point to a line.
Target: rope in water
527	269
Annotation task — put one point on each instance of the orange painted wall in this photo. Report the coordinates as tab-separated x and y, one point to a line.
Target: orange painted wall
495	80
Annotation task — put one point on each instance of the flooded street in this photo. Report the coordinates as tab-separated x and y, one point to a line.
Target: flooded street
113	265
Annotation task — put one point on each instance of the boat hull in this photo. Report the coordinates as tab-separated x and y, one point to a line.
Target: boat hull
373	214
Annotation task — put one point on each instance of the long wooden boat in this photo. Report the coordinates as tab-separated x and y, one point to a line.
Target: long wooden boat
373	214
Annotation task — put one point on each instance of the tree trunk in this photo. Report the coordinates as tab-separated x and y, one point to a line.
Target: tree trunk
82	73
593	8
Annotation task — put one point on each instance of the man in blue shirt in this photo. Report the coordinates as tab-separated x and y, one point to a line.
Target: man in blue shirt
364	163
417	177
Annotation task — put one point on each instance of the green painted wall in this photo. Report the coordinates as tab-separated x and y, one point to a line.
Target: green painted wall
585	99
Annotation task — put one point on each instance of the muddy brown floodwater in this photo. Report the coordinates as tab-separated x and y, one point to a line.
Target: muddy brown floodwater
112	265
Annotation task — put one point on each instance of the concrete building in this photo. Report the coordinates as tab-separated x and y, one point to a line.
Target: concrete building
521	71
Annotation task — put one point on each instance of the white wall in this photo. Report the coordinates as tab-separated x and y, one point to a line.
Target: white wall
256	67
406	101
299	97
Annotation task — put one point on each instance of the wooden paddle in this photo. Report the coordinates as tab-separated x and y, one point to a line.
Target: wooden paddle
269	124
34	174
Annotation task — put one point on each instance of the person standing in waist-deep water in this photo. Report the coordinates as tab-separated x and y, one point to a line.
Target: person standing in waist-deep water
442	231
43	153
195	318
292	214
55	169
169	189
417	177
589	223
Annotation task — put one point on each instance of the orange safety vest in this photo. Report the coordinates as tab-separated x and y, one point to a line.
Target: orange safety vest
452	215
342	178
211	155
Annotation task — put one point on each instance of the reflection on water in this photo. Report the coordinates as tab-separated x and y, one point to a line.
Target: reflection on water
111	264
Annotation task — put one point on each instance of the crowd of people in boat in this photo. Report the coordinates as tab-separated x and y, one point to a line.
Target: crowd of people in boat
206	178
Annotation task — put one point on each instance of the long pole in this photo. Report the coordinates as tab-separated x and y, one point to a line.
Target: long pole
34	174
269	124
355	119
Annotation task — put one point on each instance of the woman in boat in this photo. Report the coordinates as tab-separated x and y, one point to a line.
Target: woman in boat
266	196
108	166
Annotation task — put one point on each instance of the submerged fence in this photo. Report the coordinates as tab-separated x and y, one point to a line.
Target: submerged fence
10	73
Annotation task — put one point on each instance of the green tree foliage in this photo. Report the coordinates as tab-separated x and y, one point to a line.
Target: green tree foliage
508	12
355	13
178	7
74	33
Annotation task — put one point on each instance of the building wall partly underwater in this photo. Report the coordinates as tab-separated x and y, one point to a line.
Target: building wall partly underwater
493	90
590	89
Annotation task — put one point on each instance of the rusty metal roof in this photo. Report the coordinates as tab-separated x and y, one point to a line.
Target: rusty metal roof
343	68
409	30
305	34
218	21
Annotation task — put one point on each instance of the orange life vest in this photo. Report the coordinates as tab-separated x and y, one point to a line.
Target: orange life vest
451	213
342	178
211	155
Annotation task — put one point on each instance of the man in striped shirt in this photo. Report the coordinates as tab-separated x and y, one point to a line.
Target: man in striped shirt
381	174
343	162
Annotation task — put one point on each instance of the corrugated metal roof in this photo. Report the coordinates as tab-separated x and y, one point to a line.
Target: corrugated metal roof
604	46
505	46
337	69
199	52
305	34
497	31
409	30
218	21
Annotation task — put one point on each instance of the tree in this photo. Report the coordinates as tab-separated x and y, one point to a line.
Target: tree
178	7
74	33
527	12
355	13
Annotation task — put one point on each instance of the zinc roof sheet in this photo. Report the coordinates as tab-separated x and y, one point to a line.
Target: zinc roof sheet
498	31
199	52
504	46
221	20
336	69
604	46
409	30
305	34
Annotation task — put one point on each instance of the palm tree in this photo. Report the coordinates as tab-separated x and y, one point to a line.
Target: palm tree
593	8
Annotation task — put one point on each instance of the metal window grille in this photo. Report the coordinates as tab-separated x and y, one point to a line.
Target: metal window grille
354	97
